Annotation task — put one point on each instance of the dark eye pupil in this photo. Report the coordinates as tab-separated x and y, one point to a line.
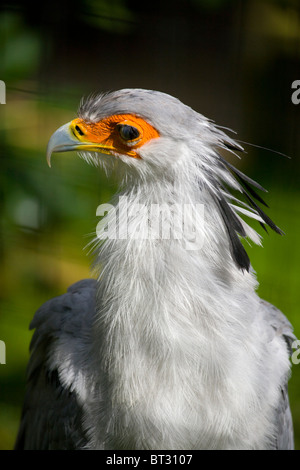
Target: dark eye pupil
128	132
79	130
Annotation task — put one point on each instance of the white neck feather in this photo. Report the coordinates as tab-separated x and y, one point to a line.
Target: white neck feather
178	336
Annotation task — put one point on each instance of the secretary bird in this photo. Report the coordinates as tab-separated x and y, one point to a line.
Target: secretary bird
170	347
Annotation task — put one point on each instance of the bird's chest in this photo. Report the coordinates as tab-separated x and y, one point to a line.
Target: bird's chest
183	401
179	363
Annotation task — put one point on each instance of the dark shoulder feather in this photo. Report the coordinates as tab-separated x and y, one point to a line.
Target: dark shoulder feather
52	415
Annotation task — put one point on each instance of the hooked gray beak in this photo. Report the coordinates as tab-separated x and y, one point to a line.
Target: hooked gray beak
63	140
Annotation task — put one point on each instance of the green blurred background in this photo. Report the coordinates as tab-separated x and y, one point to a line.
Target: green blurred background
232	60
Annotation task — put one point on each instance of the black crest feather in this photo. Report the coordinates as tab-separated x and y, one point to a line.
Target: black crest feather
231	220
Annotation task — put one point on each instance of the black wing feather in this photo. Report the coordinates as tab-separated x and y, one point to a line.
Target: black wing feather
52	417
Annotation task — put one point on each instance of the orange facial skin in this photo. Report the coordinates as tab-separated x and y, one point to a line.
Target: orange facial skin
107	136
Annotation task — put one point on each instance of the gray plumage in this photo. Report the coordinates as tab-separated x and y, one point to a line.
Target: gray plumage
170	348
52	417
284	424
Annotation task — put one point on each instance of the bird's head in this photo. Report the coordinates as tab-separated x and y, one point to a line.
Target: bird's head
157	135
145	129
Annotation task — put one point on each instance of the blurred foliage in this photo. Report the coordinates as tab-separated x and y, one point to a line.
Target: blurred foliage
233	60
19	47
110	16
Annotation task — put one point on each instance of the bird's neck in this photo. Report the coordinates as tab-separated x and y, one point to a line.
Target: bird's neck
166	303
165	264
157	232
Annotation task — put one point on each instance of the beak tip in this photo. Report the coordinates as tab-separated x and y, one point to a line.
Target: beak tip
48	156
60	141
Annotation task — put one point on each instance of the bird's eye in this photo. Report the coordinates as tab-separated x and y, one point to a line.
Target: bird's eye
128	133
79	130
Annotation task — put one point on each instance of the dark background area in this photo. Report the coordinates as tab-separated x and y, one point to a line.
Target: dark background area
232	60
